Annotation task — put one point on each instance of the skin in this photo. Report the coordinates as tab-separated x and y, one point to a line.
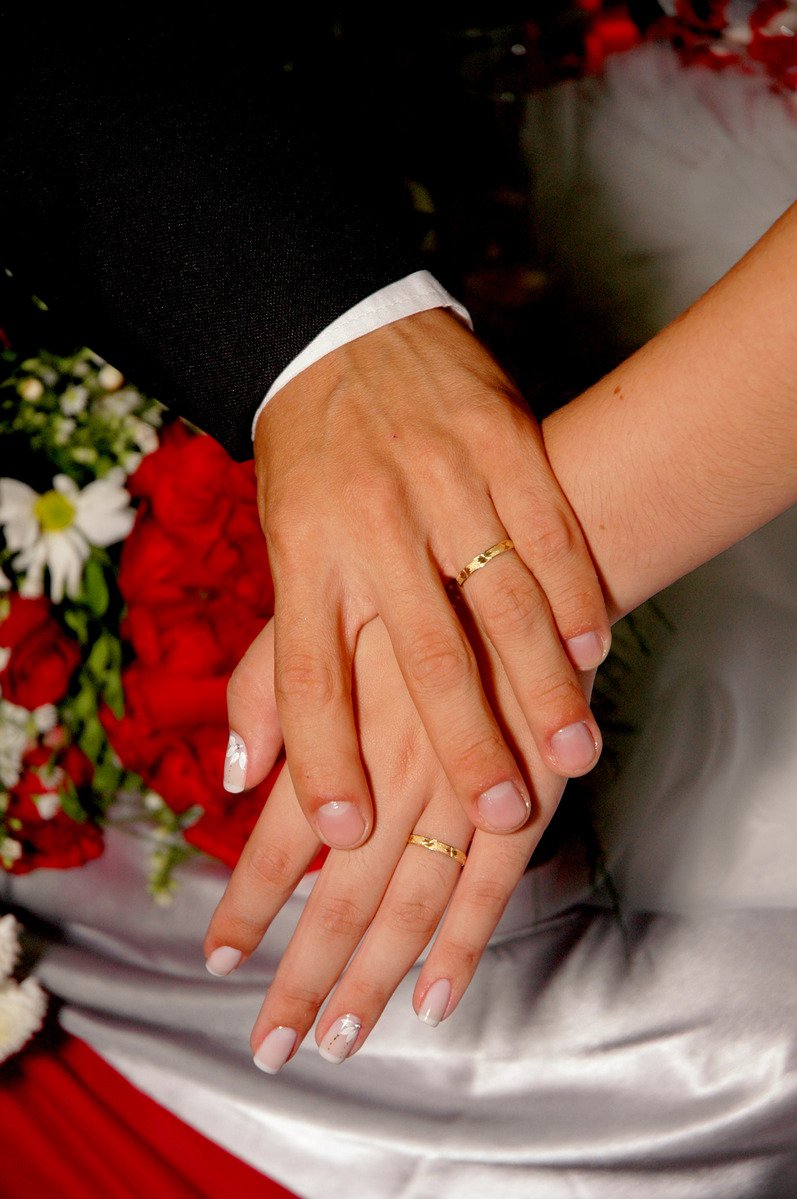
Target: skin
686	448
383	469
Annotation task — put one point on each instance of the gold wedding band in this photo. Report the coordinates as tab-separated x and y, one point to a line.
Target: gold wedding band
482	559
457	855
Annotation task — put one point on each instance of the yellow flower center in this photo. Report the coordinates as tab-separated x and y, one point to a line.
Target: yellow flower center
54	511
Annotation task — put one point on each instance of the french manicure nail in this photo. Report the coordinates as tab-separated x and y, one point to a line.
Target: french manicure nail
235	761
340	824
435	1002
587	650
503	808
223	961
574	748
275	1049
337	1044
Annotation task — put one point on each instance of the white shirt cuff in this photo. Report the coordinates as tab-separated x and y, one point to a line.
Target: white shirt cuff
414	293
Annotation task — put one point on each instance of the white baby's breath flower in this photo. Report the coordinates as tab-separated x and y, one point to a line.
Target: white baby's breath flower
45	717
48	804
5	582
86	455
119	405
131	462
15	737
64	427
143	435
153	802
22	1009
110	378
55	531
10	851
31	390
74	400
5	656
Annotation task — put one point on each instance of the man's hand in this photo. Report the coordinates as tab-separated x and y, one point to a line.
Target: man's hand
384	469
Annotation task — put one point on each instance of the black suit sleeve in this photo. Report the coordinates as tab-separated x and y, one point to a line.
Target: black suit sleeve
196	206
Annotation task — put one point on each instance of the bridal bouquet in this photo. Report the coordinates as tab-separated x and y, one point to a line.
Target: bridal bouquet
133	576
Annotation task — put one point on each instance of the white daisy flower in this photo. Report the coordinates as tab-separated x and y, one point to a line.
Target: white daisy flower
56	531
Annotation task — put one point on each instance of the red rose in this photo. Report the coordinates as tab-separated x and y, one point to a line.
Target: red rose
57	842
194	573
43	658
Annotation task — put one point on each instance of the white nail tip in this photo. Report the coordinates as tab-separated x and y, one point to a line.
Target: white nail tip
338	1042
223	961
275	1049
235	764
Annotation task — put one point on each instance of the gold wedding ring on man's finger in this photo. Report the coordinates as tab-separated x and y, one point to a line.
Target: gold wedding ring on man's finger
450	851
500	547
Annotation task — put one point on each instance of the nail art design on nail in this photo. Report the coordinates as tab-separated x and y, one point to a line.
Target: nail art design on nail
235	763
338	1042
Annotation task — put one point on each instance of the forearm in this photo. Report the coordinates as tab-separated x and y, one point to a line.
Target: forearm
691	443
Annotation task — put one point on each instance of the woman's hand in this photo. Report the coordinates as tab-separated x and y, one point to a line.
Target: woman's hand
386	894
383	469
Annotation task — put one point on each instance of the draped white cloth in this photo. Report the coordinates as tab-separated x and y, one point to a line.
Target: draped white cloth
657	1061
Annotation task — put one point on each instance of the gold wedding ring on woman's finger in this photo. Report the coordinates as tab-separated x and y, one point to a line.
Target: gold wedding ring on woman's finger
500	547
450	851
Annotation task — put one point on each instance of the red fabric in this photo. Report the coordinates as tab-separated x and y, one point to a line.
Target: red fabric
72	1127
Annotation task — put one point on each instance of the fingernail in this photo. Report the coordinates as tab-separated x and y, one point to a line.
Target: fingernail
235	765
435	1002
340	824
574	748
275	1049
337	1044
503	808
587	650
223	961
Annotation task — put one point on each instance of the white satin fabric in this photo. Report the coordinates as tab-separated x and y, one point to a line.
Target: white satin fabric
588	1060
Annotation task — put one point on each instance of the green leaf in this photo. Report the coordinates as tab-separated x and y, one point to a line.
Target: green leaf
114	694
77	620
107	778
84	704
92	739
95	587
99	656
71	804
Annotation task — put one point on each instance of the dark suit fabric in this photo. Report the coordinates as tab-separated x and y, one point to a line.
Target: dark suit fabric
193	203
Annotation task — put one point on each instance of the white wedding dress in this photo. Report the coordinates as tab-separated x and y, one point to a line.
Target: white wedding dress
588	1059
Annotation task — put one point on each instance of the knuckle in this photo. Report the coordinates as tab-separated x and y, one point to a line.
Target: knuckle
416	917
473	753
463	955
558	693
549	535
510	607
303	679
292	998
487	896
438	660
270	867
340	918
